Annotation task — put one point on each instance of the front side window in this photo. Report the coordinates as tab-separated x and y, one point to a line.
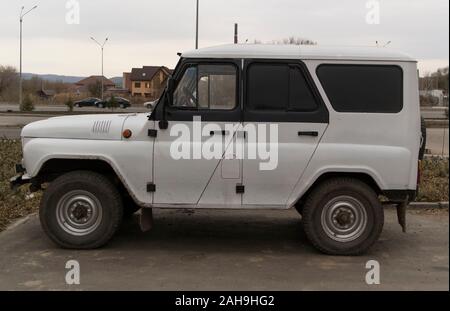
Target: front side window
207	87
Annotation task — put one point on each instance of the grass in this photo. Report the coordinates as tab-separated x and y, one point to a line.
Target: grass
16	204
13	204
434	180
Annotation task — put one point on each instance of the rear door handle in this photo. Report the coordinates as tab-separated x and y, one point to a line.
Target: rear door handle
308	133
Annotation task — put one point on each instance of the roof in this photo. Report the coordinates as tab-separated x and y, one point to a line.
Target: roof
47	92
94	79
146	73
299	51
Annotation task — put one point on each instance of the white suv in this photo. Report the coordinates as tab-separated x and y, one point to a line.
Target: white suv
327	131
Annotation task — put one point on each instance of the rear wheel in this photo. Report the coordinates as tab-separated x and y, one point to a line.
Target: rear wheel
81	210
343	216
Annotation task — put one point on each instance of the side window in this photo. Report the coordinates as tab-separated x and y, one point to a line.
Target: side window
207	87
363	88
185	94
278	87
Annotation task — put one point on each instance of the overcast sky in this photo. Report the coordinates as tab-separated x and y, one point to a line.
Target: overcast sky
151	32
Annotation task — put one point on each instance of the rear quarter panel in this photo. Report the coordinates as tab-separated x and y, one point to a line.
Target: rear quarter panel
382	145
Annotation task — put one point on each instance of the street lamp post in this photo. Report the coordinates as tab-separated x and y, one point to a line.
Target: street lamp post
22	15
102	46
196	27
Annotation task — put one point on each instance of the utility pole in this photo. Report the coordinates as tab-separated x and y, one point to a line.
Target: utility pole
196	27
236	33
22	15
102	46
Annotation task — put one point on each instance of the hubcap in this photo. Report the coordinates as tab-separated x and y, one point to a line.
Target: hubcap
79	212
344	218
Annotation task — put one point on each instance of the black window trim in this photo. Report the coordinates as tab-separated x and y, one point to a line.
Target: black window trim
191	63
318	115
364	65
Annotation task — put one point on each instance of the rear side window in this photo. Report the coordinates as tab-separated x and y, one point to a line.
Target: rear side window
363	88
278	87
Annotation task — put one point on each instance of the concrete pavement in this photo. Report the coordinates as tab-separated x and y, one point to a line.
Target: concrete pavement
229	250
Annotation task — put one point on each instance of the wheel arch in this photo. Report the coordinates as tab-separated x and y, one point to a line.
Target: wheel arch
361	176
53	167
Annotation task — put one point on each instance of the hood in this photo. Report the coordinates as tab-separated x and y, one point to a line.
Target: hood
96	126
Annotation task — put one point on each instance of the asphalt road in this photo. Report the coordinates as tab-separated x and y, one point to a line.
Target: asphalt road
228	250
58	108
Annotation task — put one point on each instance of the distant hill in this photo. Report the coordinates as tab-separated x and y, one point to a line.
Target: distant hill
65	79
53	78
117	81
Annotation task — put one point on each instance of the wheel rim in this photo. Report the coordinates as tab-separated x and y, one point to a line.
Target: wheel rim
344	219
79	212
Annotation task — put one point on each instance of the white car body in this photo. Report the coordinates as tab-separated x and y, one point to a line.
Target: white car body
381	147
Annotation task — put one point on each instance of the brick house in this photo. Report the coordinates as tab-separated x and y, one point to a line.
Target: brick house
148	81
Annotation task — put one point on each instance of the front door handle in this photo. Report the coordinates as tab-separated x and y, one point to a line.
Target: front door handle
308	133
223	133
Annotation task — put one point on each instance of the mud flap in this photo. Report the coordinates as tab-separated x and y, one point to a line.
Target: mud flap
401	213
146	219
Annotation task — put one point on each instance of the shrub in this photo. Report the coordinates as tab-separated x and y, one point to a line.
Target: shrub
69	104
27	104
112	103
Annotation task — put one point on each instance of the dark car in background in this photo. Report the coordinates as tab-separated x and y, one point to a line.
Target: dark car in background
87	102
120	102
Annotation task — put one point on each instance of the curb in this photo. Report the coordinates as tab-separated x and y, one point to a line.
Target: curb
19	222
421	205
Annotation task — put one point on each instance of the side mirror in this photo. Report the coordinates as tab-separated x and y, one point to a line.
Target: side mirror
170	89
170	84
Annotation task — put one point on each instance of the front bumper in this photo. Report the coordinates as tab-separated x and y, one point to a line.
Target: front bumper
18	181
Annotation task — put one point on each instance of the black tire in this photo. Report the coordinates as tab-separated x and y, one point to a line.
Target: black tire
315	217
96	188
423	138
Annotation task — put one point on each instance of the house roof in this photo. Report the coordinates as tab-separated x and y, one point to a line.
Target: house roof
47	92
94	79
146	73
299	52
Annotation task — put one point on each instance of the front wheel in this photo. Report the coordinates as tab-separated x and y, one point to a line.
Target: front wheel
81	210
343	216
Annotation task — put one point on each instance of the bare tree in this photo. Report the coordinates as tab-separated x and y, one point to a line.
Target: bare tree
290	41
9	81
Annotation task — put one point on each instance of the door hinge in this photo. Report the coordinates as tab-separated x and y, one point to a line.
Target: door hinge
152	133
240	188
151	187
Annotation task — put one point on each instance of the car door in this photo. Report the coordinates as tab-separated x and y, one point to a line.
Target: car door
284	118
201	125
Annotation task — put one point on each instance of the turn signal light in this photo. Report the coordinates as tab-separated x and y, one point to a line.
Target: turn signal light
127	133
